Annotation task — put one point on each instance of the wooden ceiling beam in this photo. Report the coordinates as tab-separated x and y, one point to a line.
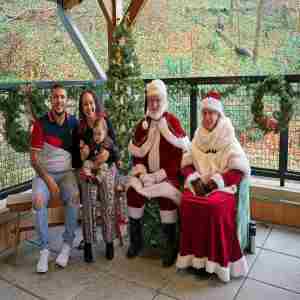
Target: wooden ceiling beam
107	9
68	4
133	11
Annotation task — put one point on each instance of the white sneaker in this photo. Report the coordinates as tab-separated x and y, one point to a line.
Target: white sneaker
42	266
63	257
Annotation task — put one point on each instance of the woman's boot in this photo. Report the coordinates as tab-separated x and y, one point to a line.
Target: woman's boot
88	253
109	252
135	237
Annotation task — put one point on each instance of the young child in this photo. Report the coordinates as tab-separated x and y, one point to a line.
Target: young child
102	197
102	144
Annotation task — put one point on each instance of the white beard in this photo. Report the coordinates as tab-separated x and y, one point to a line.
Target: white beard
154	115
158	114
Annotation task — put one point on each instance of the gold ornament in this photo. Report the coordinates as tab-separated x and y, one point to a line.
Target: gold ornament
118	56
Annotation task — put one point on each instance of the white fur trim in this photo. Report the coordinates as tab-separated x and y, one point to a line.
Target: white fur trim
135	212
157	128
168	216
182	143
228	189
234	269
187	144
189	179
145	125
218	179
229	153
212	104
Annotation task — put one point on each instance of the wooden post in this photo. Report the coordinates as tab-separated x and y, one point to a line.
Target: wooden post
114	15
133	10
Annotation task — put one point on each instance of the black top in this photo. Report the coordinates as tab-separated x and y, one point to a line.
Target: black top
85	133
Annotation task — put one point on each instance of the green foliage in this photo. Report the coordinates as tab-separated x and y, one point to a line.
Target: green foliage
152	225
16	125
255	135
273	85
125	88
46	41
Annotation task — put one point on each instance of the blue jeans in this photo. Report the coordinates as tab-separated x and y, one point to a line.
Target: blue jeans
69	194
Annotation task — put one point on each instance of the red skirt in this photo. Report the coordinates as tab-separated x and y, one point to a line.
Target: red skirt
208	236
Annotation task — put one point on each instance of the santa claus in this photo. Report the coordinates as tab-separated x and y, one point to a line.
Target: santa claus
157	148
213	170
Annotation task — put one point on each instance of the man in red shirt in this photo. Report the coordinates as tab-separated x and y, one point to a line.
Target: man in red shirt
51	145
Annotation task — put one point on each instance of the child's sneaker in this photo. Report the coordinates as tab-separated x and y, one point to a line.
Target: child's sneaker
63	257
42	266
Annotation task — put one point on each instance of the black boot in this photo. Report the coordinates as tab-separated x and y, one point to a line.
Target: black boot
135	237
109	252
88	253
169	249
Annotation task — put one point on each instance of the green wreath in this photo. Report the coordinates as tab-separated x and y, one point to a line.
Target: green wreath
280	119
13	108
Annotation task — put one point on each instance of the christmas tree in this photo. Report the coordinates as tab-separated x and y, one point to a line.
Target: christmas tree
125	88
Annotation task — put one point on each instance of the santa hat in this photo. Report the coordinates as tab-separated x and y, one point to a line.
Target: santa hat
157	88
212	101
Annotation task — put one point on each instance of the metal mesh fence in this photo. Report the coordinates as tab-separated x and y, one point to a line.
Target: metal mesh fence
262	150
14	167
179	104
294	135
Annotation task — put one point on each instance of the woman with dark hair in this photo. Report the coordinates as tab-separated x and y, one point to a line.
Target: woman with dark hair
98	198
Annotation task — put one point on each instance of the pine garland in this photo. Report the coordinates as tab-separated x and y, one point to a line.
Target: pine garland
277	86
19	108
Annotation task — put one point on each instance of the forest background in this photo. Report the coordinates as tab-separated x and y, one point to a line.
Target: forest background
174	39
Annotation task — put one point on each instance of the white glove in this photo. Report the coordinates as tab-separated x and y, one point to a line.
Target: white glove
156	177
160	175
148	179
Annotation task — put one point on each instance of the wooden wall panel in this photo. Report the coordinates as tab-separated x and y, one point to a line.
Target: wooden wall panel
276	212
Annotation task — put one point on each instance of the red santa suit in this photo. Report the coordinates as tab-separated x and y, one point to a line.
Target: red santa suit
157	150
208	228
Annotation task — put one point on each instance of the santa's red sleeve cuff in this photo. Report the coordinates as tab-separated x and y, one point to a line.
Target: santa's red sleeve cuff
231	177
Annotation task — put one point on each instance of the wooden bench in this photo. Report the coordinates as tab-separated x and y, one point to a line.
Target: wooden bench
20	206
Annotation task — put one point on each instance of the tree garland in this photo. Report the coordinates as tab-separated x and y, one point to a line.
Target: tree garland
125	88
279	121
